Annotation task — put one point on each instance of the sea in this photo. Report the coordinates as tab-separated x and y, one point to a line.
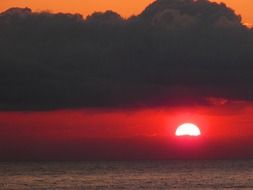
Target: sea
117	175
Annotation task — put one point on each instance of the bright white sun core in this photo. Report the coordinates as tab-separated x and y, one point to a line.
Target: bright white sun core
188	129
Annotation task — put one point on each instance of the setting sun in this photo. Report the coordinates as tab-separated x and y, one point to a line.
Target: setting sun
188	129
126	94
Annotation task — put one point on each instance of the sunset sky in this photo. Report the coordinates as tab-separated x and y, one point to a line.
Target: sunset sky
124	134
109	88
124	7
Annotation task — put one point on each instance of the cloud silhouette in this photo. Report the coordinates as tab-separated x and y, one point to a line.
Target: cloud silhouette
108	17
173	53
202	12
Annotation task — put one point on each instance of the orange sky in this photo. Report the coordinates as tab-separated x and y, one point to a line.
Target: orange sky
124	7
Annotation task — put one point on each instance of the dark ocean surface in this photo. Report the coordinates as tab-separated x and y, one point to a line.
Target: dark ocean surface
127	175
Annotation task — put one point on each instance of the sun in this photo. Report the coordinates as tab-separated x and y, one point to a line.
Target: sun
188	129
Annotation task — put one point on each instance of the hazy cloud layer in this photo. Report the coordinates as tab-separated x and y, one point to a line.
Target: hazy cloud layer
175	52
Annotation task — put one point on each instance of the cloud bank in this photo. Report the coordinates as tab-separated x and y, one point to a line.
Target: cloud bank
176	52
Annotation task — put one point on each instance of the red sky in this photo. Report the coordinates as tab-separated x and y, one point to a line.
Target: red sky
141	133
124	7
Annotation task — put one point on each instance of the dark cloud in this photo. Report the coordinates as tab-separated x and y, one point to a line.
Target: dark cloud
182	12
106	18
173	53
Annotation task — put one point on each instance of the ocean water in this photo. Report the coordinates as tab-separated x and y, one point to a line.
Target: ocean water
127	175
